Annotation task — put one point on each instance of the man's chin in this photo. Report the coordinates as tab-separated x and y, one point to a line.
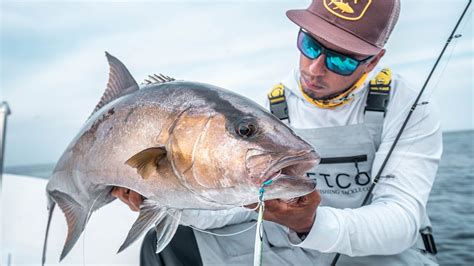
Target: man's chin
316	94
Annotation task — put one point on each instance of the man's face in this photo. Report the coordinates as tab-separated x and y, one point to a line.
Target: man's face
320	83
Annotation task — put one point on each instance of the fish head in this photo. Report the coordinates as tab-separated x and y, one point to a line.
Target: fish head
233	143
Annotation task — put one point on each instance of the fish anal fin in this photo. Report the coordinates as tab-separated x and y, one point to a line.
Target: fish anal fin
120	82
166	228
150	214
146	161
76	218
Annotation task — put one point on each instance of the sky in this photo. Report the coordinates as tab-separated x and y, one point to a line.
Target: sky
53	69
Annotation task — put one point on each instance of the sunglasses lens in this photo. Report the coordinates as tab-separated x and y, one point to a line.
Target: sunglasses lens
308	46
336	62
341	64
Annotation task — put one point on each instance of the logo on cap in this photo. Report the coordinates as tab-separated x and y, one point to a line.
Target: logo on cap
350	10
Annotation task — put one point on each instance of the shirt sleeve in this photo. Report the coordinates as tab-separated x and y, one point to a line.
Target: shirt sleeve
390	223
207	219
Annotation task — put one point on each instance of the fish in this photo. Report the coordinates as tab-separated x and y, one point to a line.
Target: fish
183	145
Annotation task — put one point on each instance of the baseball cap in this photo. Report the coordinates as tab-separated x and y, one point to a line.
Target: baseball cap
360	26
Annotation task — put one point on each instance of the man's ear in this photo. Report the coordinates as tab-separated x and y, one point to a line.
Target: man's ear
375	61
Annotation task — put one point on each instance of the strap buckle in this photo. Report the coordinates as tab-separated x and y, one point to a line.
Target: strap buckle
428	240
280	110
278	105
377	100
379	92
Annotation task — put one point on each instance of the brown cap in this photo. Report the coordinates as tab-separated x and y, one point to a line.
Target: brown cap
361	26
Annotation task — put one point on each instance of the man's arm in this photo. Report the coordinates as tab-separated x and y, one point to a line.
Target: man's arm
202	219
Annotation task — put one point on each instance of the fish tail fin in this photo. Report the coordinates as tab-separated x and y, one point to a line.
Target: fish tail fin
166	228
51	205
76	218
150	214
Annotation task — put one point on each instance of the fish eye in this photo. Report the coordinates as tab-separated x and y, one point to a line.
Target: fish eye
246	129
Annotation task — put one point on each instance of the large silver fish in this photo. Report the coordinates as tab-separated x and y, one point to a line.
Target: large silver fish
182	145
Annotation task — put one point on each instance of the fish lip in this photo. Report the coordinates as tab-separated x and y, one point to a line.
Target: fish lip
306	157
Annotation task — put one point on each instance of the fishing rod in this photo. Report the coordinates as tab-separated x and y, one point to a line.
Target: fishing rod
413	107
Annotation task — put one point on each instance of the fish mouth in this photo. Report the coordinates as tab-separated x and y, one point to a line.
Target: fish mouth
295	165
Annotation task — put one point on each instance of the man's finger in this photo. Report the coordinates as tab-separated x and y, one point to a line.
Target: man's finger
114	192
296	202
292	201
121	194
274	205
309	199
135	200
313	197
251	206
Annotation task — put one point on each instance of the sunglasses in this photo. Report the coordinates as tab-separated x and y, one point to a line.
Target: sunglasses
336	62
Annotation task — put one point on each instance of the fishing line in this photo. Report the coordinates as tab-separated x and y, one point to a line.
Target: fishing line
434	88
212	233
85	228
224	235
456	39
257	255
431	92
252	209
260	207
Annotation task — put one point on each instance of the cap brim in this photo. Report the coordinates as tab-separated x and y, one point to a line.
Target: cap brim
330	33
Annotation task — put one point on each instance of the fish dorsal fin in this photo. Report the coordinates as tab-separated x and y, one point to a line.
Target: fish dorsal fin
147	160
150	214
156	79
120	82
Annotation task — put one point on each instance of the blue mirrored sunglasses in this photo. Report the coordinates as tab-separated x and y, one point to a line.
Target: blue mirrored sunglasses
336	62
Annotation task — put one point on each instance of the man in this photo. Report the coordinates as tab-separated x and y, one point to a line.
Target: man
351	113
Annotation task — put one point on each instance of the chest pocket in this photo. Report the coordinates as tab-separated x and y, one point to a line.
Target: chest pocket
361	178
343	175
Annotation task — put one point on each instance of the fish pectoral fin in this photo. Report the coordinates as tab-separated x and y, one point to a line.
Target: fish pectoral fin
147	161
166	228
150	214
76	218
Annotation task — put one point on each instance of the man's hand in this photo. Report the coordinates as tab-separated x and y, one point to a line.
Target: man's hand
297	214
129	197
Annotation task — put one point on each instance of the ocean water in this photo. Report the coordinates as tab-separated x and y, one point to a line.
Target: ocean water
451	204
450	207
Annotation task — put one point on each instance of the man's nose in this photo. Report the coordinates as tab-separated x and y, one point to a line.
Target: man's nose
317	66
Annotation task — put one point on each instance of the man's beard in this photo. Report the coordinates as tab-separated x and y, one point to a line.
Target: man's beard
315	80
313	96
